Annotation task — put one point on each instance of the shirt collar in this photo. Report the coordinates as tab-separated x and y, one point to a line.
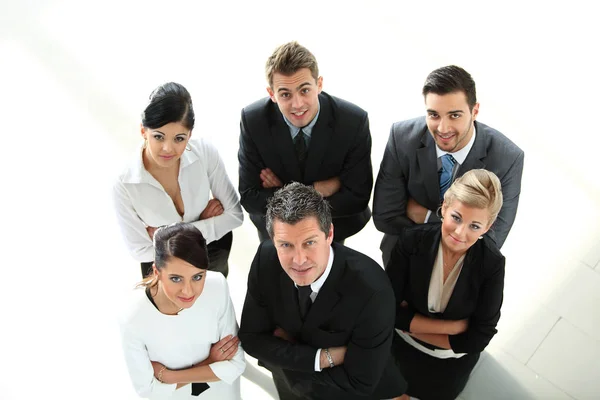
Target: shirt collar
308	128
137	173
460	155
318	284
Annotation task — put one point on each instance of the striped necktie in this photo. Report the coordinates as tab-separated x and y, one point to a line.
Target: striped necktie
300	147
446	174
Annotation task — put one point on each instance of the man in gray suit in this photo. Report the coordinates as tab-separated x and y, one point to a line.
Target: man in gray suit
424	155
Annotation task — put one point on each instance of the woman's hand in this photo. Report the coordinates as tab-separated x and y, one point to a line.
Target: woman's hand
213	208
224	349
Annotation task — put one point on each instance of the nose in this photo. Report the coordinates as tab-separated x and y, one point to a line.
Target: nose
297	102
299	256
166	146
443	125
187	291
460	228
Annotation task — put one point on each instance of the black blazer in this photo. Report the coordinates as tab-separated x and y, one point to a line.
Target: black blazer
354	308
340	146
477	295
409	169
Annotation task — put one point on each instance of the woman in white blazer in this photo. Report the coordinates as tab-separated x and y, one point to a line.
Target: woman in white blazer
171	178
179	327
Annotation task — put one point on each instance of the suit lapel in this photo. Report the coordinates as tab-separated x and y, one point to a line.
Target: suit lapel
477	153
423	268
427	163
284	146
320	137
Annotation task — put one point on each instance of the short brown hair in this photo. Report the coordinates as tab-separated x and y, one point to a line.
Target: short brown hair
288	58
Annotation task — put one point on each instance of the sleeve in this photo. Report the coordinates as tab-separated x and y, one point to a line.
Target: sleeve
256	330
482	324
511	191
230	370
391	191
368	350
133	229
222	189
253	196
398	270
140	369
356	176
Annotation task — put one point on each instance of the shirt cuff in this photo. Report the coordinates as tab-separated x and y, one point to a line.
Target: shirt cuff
318	361
427	216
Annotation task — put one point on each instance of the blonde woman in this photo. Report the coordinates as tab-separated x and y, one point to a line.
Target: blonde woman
448	280
179	329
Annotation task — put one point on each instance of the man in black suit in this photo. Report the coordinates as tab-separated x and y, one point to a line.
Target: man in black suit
302	134
426	154
318	315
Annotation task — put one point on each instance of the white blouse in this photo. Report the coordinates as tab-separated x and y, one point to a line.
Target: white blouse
141	201
180	341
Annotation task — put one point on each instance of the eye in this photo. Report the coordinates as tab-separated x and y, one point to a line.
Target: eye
157	137
284	245
305	91
475	227
179	139
198	277
455	116
432	115
175	279
310	242
285	95
456	218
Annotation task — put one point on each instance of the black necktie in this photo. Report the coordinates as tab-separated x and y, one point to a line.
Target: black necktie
300	146
304	300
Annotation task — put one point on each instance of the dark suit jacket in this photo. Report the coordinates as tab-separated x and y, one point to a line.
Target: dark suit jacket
409	169
340	145
477	295
354	308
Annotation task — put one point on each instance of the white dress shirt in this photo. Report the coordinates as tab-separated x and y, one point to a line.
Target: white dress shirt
315	287
141	201
180	341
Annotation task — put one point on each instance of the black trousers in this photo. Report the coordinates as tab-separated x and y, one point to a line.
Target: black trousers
218	256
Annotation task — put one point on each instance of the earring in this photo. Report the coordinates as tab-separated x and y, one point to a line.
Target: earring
187	147
145	143
480	237
442	219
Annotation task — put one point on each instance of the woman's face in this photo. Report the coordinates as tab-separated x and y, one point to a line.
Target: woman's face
165	145
463	225
181	282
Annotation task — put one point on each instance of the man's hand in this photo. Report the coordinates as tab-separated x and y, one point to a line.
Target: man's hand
151	230
269	179
224	349
416	212
328	187
337	354
212	209
282	334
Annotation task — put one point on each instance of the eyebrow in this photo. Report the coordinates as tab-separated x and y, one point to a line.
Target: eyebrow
429	110
179	276
460	215
177	134
297	88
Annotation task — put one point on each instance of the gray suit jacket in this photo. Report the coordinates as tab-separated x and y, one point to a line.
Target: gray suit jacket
409	169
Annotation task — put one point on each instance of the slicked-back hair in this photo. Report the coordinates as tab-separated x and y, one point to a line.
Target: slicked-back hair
180	240
288	58
170	102
295	202
451	79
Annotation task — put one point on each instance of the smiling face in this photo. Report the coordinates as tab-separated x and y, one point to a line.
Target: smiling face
166	144
463	225
297	96
303	249
180	284
450	120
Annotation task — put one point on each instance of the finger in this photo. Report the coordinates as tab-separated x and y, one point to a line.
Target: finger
225	339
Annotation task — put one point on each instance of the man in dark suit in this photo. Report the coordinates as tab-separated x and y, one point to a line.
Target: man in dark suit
424	155
302	134
318	315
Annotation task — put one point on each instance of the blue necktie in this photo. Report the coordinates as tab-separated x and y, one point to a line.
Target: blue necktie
446	173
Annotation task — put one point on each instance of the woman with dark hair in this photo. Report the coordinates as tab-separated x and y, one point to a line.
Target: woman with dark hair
171	178
448	280
178	332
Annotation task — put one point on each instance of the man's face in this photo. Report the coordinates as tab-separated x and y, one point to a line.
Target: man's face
297	96
449	120
303	249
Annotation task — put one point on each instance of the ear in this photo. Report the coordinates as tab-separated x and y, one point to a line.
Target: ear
330	234
271	94
320	84
143	131
475	111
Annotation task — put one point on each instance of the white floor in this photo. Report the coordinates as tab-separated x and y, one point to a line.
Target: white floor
74	77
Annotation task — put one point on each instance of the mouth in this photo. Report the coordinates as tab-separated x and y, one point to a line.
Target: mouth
456	240
302	271
166	157
186	300
445	137
299	114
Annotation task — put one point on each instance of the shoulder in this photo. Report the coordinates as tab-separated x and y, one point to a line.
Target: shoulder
409	130
136	309
132	171
258	108
496	141
215	287
363	275
341	107
418	239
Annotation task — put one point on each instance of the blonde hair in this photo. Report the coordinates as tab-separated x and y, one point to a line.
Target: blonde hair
477	188
288	58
